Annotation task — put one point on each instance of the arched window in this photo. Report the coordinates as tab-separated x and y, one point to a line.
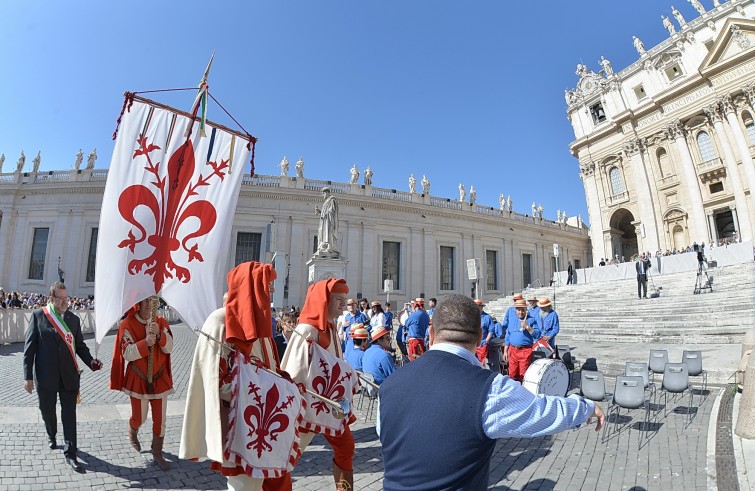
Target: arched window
705	145
617	184
747	119
663	164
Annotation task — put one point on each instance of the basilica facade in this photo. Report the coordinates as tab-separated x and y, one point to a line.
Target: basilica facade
666	145
49	224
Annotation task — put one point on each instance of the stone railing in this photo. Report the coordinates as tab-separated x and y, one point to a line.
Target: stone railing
13	322
618	198
289	182
668	180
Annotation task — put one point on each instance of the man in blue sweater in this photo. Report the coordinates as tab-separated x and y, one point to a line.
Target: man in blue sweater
460	426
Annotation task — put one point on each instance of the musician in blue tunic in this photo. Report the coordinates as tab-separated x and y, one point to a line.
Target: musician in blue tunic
359	337
377	360
548	323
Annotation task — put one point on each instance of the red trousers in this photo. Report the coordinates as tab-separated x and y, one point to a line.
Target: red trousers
139	414
520	360
343	456
416	347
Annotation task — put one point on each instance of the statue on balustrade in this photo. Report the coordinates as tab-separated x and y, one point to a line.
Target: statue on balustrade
509	204
284	166
412	184
462	193
354	175
2	161
300	167
37	160
678	16
668	25
540	211
425	185
472	195
327	233
638	45
21	162
501	202
91	159
698	6
368	176
79	160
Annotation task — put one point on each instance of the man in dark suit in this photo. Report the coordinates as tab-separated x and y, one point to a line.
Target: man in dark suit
570	275
53	340
642	266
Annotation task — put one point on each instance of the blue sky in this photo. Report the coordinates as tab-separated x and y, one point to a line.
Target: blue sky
467	92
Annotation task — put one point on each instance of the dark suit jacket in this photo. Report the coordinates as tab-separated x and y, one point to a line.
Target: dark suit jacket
648	265
47	353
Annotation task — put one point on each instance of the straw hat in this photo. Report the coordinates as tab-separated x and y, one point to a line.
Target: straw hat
480	303
375	304
520	303
544	302
518	296
379	332
354	327
360	333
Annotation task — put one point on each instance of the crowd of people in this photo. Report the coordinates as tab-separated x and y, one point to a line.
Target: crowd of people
16	300
333	342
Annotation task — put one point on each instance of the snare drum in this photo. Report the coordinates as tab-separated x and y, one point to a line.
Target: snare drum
548	377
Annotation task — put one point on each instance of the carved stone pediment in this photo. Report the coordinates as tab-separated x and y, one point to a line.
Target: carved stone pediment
590	83
674	213
735	38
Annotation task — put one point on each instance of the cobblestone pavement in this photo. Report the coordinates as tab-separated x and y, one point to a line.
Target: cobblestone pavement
673	456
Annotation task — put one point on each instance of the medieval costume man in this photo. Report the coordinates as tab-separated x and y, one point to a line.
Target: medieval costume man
325	301
144	348
244	324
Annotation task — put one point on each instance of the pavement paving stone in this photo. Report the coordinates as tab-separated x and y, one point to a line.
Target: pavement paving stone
673	456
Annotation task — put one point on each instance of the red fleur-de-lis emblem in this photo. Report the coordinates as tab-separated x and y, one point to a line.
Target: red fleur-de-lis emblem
266	419
329	385
172	200
69	338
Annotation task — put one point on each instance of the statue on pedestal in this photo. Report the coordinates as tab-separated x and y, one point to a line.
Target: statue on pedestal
37	160
91	159
501	202
558	215
509	204
327	232
425	185
79	159
579	221
412	184
698	6
300	167
534	209
462	193
21	162
472	195
668	25
638	45
354	175
678	16
368	176
563	217
607	68
540	211
2	161
284	166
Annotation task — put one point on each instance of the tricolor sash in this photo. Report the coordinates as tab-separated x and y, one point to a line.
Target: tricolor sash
60	326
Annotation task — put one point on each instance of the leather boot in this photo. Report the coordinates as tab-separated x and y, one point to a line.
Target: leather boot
133	439
344	479
157	452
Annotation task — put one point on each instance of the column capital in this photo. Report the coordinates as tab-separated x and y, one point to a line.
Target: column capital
634	145
726	105
749	93
713	112
709	213
733	207
674	130
587	169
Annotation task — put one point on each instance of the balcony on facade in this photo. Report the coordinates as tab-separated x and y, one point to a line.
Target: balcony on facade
618	198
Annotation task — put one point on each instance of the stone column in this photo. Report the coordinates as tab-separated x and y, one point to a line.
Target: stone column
634	149
735	219
714	113
587	172
712	227
675	131
744	149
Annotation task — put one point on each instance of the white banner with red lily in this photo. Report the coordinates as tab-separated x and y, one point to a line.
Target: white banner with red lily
263	430
166	216
333	378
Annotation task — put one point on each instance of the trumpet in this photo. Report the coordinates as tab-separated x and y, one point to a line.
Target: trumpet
340	408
